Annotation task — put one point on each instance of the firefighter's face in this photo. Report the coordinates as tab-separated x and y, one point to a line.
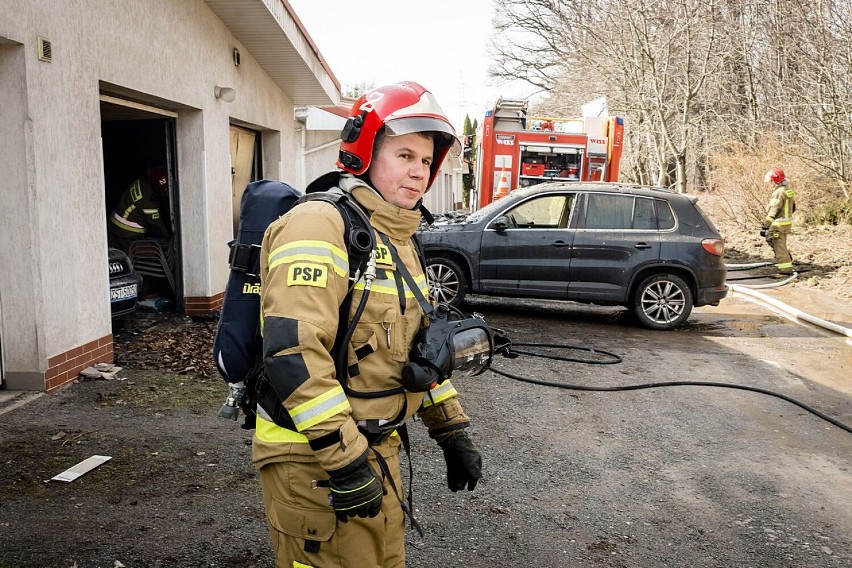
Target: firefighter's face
400	168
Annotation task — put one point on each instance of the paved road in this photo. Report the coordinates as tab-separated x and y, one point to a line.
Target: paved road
680	476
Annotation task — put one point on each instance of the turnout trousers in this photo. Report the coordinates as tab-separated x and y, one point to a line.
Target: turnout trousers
304	530
783	259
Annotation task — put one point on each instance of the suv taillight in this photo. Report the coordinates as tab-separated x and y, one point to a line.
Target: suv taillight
714	246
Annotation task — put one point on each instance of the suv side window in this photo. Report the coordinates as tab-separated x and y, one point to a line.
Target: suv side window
643	214
549	212
665	215
608	211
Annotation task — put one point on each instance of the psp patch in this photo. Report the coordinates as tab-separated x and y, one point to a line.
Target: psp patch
383	255
307	274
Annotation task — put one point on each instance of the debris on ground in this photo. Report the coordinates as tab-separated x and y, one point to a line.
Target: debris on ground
81	468
105	371
166	341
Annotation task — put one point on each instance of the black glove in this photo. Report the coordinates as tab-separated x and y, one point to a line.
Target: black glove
358	493
763	232
464	464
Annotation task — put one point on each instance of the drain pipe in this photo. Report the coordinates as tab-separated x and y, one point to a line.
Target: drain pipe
789	311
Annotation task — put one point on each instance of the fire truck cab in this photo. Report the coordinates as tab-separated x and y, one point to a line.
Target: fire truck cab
514	150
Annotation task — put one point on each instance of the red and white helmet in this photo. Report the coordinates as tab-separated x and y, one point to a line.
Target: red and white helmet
775	175
158	177
401	108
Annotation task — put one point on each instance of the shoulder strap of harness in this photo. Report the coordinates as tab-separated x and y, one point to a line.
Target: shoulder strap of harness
360	241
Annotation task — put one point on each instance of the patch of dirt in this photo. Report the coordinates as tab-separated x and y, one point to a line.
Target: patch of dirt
166	341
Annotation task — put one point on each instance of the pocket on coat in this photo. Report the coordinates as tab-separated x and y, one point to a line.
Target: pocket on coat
364	342
306	524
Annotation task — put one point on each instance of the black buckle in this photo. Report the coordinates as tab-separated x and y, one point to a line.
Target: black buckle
244	258
375	433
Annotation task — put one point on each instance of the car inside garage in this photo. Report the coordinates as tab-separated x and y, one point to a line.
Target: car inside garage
137	138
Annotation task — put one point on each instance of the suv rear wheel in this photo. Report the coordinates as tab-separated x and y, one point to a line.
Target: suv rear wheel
447	283
662	301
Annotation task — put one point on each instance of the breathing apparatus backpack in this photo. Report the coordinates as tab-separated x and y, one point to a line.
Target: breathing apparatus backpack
237	346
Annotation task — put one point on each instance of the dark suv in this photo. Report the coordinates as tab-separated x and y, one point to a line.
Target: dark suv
648	249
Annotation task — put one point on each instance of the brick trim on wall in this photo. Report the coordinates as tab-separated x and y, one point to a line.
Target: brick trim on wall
203	305
65	367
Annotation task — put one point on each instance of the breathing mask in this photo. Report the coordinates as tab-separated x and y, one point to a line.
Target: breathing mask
452	343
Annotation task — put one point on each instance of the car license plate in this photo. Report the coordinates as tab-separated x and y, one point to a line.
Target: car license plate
123	293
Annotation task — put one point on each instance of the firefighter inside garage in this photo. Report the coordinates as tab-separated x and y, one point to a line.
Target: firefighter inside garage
135	144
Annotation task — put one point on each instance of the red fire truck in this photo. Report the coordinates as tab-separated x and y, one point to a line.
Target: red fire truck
515	150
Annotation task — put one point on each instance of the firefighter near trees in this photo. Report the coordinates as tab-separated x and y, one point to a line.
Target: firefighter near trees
136	214
342	371
778	222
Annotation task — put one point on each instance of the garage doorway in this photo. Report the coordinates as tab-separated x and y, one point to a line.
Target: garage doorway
137	137
246	164
2	366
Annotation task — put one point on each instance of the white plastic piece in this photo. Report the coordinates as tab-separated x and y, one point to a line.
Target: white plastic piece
84	466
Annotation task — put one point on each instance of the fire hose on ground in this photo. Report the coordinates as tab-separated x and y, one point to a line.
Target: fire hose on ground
507	348
750	291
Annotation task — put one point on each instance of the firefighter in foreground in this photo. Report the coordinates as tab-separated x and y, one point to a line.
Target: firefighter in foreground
779	219
331	483
137	212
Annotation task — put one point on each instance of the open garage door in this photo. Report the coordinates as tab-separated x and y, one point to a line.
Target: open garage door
245	166
142	198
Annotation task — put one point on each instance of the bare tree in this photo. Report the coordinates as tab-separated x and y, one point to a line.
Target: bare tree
694	79
819	89
650	58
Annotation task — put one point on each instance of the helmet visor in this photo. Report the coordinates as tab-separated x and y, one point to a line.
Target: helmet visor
444	133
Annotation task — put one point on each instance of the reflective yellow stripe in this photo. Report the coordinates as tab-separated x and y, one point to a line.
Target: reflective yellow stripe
128	211
311	251
135	190
421	283
783	265
319	408
129	226
787	213
150	211
267	431
378	288
388	286
439	394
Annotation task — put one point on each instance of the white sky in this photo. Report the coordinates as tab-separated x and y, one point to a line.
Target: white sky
441	44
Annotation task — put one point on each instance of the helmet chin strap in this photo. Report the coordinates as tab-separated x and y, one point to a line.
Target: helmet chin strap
427	215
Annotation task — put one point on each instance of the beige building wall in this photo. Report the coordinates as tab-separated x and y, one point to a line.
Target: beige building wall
170	54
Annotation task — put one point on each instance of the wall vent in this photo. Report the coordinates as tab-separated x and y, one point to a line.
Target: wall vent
45	50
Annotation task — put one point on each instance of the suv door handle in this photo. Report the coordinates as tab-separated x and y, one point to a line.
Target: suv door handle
642	245
560	244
